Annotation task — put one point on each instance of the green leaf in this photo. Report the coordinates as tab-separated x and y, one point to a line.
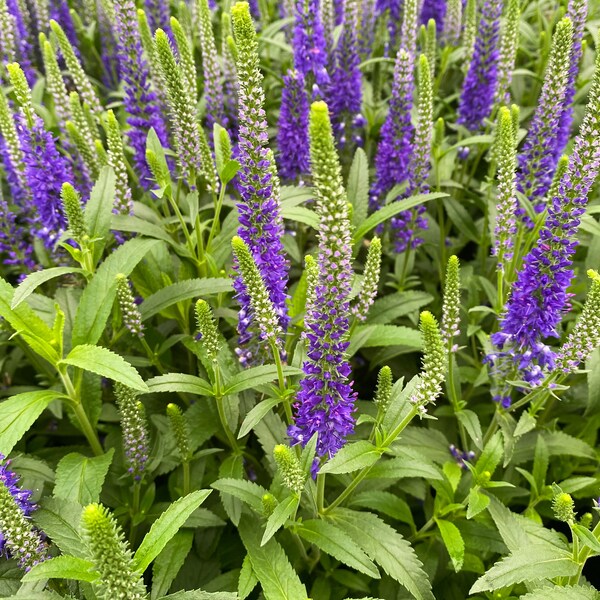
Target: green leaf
59	520
352	457
80	478
530	563
478	502
165	527
462	219
587	537
37	278
471	423
102	361
453	541
386	212
358	187
229	171
19	413
200	595
385	502
300	214
63	567
248	579
335	542
402	467
391	307
490	457
180	382
98	209
562	592
169	562
250	378
391	335
183	290
277	578
283	511
247	491
256	415
97	299
134	224
28	324
386	547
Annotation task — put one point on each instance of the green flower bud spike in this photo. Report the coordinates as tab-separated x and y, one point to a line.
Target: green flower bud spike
82	135
110	554
21	90
262	306
289	467
451	304
563	507
368	291
508	49
312	279
54	81
80	79
383	392
561	169
7	33
207	327
116	159
182	108
11	139
469	31
186	59
431	46
132	319
429	386
585	336
74	212
269	504
24	542
180	431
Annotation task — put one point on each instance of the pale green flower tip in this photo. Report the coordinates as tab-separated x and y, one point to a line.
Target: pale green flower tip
428	321
319	107
121	278
563	507
93	514
240	11
289	467
423	65
238	245
173	411
593	275
269	504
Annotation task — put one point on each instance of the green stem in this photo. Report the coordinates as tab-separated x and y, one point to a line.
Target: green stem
186	477
282	384
320	492
216	224
219	399
89	432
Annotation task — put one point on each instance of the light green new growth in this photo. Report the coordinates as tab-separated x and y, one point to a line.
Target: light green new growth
262	306
370	282
80	79
585	336
207	327
383	393
469	30
110	553
116	159
431	46
509	39
506	197
54	82
451	303
561	169
21	539
7	33
186	59
74	212
289	467
82	135
180	431
21	90
429	386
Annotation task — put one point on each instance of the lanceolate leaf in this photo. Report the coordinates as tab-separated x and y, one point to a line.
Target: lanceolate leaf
530	563
80	479
180	382
250	378
63	567
385	546
453	541
34	280
352	457
334	541
283	511
277	578
106	363
165	527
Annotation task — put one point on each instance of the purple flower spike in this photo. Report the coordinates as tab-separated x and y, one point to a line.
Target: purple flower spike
395	146
310	53
325	401
292	139
140	101
344	93
261	225
479	87
45	170
539	296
